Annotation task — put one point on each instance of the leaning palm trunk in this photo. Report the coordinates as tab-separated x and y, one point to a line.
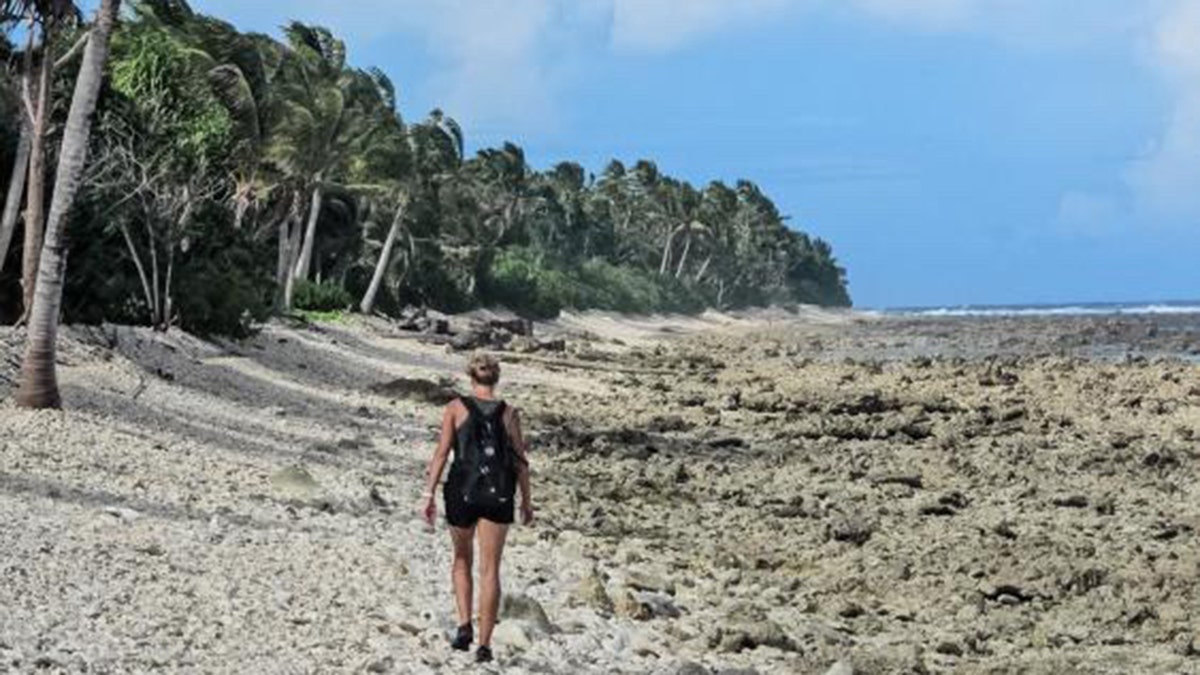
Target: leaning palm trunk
665	264
16	189
289	288
39	382
687	246
666	255
283	257
304	264
385	257
703	268
35	198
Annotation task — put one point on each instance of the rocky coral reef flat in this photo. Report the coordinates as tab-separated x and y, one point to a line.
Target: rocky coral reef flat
754	494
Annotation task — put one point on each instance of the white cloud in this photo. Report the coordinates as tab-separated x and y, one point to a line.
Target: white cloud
667	24
498	63
496	70
1166	181
502	64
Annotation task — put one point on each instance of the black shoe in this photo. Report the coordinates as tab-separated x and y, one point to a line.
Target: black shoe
462	638
483	654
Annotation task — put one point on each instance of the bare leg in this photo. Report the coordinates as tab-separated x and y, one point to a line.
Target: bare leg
491	547
460	571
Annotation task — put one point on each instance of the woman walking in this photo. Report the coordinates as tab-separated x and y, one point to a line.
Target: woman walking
489	465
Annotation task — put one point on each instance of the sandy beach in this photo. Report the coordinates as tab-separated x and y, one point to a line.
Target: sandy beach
755	493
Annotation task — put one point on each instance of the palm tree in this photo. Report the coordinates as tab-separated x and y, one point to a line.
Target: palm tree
45	19
328	116
424	156
242	70
16	189
38	107
39	382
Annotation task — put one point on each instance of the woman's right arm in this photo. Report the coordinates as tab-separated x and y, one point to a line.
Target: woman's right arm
437	464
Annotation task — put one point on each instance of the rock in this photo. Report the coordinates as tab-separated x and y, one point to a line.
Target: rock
125	515
384	665
751	634
949	648
840	668
692	668
522	327
591	593
730	401
727	442
558	345
425	391
379	499
658	604
850	610
1071	501
295	481
481	337
518	606
529	345
852	529
641	645
627	606
512	634
523	345
646	581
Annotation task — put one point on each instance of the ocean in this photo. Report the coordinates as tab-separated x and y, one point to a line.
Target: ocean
1066	309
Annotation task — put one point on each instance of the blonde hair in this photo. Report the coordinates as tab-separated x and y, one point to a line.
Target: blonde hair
483	369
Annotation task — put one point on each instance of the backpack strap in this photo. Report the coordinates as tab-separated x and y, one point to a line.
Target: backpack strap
498	413
471	406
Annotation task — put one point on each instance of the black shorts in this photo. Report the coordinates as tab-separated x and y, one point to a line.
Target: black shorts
462	514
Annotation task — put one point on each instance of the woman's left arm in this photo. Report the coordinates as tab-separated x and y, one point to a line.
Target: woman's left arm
522	449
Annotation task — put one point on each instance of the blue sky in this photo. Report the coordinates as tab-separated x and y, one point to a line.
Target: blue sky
952	151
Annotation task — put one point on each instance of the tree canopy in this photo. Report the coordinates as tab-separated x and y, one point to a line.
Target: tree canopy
233	174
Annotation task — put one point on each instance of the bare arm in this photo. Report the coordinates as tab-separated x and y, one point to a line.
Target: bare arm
522	449
437	463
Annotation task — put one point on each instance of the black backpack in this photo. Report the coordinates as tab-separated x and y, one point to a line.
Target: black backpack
486	458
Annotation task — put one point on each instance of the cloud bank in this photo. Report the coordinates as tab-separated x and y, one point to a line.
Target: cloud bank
1166	181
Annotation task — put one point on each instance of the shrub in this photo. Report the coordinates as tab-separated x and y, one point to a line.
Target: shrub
324	296
523	281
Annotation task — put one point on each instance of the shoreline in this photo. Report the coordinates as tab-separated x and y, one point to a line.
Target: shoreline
950	495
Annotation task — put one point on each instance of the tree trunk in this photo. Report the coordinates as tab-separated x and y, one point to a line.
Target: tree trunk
241	204
39	381
283	257
304	264
687	246
35	198
155	296
703	268
666	254
16	189
141	269
385	256
168	306
289	288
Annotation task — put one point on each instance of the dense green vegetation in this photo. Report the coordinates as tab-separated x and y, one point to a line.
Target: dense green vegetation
231	175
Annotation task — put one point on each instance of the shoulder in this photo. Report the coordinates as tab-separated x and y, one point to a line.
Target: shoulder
512	414
454	408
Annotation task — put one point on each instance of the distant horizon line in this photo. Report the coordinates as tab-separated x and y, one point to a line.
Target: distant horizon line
1082	307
